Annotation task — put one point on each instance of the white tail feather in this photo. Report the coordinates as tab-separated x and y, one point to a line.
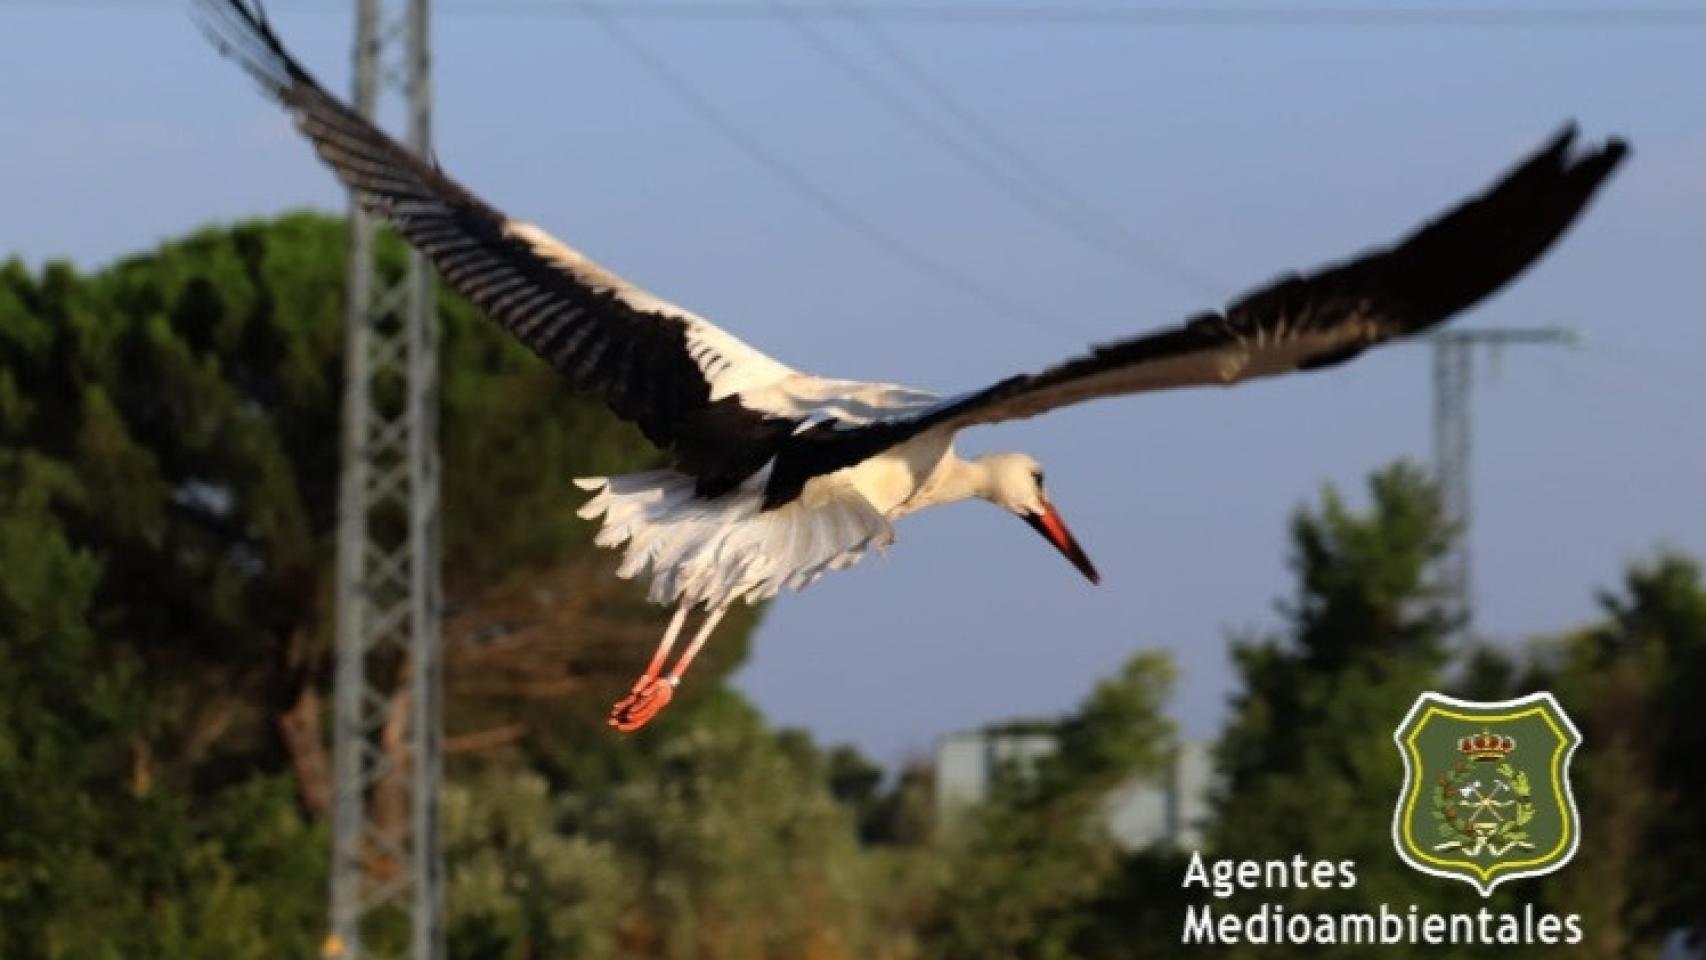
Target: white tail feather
714	552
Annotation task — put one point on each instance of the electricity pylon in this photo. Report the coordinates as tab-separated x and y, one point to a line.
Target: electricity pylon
1453	386
387	730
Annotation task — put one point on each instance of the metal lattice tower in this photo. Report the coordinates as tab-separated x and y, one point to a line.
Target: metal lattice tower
386	863
1454	368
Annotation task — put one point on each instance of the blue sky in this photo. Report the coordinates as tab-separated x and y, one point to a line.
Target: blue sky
1242	150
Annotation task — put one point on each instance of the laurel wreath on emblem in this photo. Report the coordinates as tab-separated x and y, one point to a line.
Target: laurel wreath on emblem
1493	825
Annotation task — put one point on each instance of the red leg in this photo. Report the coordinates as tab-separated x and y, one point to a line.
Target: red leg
652	693
711	620
649	695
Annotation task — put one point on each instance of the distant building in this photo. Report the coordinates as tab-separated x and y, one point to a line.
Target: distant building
967	764
1169	809
1148	809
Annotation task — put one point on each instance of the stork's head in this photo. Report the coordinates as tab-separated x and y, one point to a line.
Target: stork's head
1016	484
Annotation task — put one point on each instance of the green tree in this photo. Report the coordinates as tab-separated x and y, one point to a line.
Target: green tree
1631	683
523	885
731	846
95	860
64	730
194	392
169	430
1306	761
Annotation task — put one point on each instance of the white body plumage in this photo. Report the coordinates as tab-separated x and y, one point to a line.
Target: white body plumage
715	552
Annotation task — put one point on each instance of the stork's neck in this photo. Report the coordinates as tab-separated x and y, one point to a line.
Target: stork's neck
954	480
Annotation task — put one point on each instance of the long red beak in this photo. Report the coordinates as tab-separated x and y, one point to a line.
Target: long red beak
1053	529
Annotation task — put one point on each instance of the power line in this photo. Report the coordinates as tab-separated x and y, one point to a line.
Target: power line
826	203
1022	14
1021	187
1113	235
1616	388
1180	15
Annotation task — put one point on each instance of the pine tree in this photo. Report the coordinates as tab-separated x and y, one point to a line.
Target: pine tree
1307	762
168	438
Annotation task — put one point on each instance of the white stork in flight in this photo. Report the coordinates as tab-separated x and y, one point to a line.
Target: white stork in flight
777	475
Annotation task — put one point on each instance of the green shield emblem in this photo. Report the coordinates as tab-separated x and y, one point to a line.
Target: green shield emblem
1486	793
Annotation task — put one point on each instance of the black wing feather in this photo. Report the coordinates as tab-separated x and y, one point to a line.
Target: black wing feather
1294	323
636	360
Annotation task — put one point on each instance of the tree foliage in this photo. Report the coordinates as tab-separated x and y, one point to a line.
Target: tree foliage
96	858
168	451
1307	759
1631	683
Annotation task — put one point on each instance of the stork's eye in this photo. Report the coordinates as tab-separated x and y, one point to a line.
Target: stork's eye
1037	475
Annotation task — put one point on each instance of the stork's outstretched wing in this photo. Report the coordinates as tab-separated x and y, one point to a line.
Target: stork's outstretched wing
670	372
1295	323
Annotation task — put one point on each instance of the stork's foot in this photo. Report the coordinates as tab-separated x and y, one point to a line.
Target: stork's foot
647	700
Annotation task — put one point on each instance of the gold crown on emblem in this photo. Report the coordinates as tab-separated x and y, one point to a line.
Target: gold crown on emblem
1486	747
